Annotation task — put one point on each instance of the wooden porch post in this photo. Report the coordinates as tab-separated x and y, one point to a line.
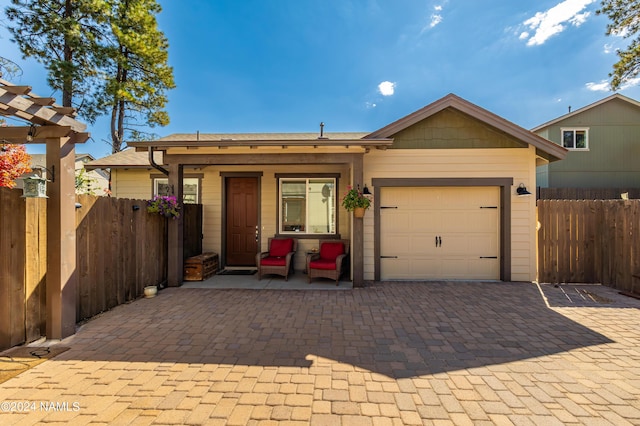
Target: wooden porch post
175	255
61	239
357	242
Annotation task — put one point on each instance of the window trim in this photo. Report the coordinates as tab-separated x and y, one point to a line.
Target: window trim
574	130
305	235
199	176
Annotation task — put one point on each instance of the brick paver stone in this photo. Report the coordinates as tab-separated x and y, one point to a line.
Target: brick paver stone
462	353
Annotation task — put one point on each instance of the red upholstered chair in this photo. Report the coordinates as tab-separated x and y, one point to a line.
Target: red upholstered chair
331	261
279	259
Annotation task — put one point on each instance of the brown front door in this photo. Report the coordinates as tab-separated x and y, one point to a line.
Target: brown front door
242	220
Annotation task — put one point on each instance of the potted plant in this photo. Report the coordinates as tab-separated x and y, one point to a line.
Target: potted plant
164	205
354	200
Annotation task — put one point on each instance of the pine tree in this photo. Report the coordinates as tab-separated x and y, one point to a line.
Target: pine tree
137	70
105	56
625	22
63	35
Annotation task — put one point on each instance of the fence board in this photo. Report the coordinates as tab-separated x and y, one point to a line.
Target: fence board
590	241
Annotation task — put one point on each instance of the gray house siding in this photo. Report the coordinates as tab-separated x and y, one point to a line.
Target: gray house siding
611	160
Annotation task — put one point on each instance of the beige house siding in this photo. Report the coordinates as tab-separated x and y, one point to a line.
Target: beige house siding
518	163
137	184
132	184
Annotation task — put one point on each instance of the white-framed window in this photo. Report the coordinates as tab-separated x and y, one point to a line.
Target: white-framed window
307	205
575	138
190	189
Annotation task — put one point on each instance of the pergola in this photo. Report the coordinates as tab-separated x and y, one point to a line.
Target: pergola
55	126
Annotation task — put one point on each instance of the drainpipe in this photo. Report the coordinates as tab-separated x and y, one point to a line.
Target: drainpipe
156	165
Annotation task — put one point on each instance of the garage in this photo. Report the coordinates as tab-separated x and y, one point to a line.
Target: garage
436	233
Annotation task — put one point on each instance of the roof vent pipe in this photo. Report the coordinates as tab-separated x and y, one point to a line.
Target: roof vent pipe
321	131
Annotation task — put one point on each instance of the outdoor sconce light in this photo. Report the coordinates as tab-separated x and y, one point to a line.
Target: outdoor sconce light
34	187
522	190
366	191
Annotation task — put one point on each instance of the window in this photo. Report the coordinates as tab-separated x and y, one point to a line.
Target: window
575	138
190	187
307	205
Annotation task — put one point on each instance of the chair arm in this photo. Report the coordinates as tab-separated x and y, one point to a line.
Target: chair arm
261	256
340	261
310	257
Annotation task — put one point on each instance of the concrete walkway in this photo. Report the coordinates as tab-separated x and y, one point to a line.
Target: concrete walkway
389	354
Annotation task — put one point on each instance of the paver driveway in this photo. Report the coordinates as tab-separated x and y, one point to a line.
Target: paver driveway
391	353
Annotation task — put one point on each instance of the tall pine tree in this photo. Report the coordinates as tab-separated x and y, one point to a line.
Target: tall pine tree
625	22
63	35
105	56
137	71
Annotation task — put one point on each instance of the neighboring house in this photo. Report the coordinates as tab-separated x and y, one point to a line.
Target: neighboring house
603	140
444	181
95	181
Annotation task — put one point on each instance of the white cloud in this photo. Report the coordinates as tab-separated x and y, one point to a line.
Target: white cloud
608	48
435	20
546	24
602	86
387	88
370	105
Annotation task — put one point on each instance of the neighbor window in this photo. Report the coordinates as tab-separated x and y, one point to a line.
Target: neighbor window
190	189
575	138
307	205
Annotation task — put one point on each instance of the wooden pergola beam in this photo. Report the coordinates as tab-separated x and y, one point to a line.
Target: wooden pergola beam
22	103
20	135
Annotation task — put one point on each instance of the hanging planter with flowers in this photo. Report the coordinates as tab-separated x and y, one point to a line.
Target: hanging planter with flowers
354	200
165	205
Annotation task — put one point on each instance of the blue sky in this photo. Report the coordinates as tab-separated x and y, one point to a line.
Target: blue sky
357	65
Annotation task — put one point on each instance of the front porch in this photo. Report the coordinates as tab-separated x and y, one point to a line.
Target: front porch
297	281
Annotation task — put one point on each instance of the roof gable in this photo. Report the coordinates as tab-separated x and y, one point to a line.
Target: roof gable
602	102
544	147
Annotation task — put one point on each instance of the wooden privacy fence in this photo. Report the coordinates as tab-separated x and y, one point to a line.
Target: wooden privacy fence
590	241
120	250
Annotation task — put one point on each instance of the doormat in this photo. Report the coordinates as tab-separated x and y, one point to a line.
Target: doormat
237	272
20	359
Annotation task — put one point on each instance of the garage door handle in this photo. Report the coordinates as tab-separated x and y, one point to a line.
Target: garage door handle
438	241
388	207
488	257
388	257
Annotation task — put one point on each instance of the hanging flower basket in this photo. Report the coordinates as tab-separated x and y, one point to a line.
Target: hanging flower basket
165	205
359	212
354	200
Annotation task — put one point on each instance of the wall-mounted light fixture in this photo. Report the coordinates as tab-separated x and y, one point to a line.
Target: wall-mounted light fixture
522	190
366	191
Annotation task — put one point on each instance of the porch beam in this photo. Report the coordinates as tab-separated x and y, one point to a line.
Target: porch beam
175	254
262	159
357	224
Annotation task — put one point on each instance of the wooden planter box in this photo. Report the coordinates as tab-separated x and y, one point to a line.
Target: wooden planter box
201	267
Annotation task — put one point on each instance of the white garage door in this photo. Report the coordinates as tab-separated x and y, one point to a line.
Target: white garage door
433	233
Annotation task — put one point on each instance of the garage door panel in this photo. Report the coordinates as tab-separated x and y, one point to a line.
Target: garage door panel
465	219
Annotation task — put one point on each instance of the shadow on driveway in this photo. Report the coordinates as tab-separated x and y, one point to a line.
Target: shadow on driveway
399	330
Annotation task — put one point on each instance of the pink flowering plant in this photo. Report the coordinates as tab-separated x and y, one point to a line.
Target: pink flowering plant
354	198
164	205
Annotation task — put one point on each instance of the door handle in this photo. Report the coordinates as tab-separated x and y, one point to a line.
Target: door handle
438	241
